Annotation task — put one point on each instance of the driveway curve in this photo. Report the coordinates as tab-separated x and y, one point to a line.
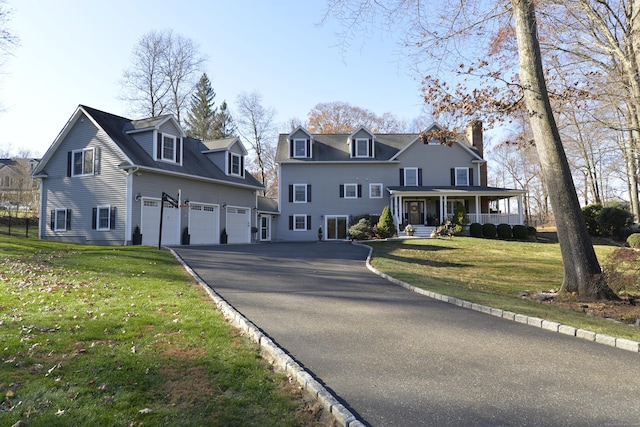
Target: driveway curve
396	358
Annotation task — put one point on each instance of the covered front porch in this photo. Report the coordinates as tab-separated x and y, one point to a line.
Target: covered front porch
433	206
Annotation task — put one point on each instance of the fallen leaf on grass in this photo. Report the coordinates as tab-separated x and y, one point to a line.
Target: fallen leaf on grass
145	411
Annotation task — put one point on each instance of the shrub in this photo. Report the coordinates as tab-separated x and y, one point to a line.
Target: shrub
489	230
621	269
520	232
613	220
532	232
504	231
385	227
475	229
634	240
354	219
459	219
590	213
362	230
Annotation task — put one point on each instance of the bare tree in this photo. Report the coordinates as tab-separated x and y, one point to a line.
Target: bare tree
164	72
256	127
8	40
342	117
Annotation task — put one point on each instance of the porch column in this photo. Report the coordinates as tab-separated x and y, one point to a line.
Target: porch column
478	208
520	205
508	207
443	210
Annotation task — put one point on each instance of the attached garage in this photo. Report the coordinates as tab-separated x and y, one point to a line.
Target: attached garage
238	225
204	220
150	223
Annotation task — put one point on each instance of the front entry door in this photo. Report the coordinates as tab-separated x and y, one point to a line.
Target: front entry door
416	212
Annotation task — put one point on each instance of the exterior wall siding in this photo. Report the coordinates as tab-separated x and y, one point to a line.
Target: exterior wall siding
436	162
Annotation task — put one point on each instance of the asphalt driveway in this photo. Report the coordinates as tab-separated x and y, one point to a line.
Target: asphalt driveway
396	358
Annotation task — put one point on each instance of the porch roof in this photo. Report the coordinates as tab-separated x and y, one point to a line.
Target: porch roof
445	190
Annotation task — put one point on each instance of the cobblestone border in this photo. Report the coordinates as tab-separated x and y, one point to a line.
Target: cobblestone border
621	343
277	356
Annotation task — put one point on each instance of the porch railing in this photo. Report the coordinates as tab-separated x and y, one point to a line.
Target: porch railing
495	218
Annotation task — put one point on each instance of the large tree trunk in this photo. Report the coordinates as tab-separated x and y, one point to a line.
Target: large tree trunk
582	273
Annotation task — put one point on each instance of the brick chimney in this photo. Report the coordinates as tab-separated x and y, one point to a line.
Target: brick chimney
474	136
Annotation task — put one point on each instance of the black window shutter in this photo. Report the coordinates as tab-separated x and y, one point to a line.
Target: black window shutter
242	166
290	222
291	146
370	147
471	176
178	147
353	148
69	162
159	146
290	193
453	176
68	224
308	193
359	190
419	176
402	177
309	148
94	218
53	219
229	162
308	222
112	220
341	190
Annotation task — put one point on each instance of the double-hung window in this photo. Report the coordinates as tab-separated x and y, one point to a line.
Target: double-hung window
168	148
362	147
299	193
235	168
462	176
375	191
300	148
351	191
103	218
411	177
82	162
61	219
300	222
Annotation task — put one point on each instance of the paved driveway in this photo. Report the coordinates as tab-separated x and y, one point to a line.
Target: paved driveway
396	358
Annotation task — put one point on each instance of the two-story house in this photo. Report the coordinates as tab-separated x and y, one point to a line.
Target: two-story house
107	178
325	179
17	188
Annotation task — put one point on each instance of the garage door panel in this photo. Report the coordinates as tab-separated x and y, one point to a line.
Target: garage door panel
150	223
203	223
238	225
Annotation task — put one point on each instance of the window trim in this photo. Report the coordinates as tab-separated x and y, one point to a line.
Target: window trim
466	170
306	197
304	146
83	162
376	184
162	157
357	151
98	210
295	222
355	191
406	184
232	157
63	226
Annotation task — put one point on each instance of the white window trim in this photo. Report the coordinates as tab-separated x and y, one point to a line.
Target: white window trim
63	226
101	208
295	223
405	177
456	175
306	197
304	145
355	186
239	157
371	186
73	163
357	152
161	156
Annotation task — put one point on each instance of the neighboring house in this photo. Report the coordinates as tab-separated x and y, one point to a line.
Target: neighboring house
17	188
105	177
325	179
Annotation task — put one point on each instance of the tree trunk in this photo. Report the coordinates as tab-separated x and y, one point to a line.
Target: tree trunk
582	273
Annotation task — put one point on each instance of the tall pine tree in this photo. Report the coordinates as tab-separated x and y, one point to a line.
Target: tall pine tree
223	126
202	113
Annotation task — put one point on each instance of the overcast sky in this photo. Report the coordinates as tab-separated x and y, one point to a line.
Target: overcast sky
74	52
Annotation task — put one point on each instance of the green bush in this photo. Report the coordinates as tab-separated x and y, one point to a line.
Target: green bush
504	231
613	221
475	229
489	230
590	213
362	230
532	232
520	232
354	219
634	240
385	227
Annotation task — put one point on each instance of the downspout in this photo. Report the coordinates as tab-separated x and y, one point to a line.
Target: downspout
129	203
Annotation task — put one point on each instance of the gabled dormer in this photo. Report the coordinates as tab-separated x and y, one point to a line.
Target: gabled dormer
228	154
166	135
362	144
300	144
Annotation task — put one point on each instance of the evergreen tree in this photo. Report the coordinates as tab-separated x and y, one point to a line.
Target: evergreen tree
202	113
223	126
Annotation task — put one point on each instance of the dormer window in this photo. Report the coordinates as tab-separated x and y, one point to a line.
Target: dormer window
300	148
235	165
362	147
168	148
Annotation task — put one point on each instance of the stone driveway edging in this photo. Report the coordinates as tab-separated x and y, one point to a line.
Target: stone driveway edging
621	343
276	355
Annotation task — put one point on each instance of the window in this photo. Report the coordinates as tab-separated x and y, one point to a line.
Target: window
168	148
411	177
375	191
362	147
103	218
235	168
299	222
61	219
300	148
82	162
299	193
462	176
351	191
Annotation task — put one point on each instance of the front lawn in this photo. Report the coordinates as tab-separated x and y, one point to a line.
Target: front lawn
122	336
494	273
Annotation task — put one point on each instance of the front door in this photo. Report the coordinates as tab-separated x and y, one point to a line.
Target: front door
265	228
416	212
336	227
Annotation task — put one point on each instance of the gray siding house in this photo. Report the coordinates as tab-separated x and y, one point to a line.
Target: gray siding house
325	179
107	179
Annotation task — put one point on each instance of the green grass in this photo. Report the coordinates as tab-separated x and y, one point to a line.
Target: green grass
491	272
122	336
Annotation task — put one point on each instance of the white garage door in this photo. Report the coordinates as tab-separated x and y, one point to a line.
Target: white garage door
150	223
203	223
238	225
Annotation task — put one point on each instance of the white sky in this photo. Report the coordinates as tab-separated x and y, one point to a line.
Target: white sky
75	51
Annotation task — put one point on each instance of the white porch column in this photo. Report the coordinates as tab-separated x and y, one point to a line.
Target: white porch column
478	208
443	211
520	209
